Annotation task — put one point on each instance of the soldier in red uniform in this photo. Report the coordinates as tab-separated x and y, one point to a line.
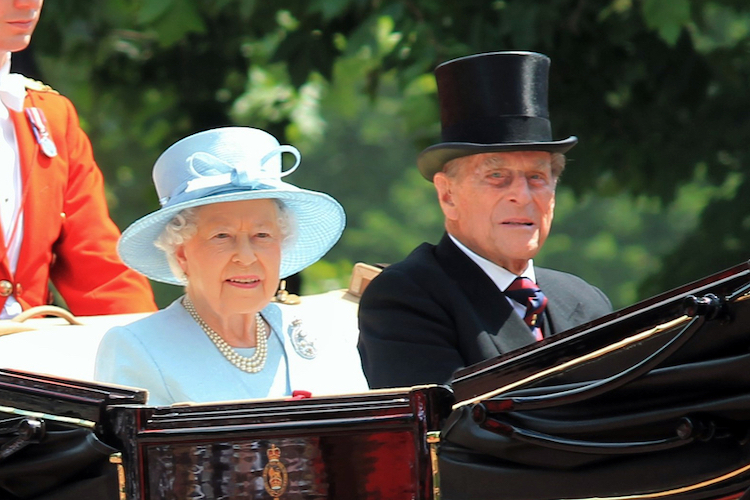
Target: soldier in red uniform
54	221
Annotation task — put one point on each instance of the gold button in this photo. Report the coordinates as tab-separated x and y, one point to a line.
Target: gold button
6	288
19	290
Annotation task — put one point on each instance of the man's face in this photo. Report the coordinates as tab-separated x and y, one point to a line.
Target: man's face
500	205
18	19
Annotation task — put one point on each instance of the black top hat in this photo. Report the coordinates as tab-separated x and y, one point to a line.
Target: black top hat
492	102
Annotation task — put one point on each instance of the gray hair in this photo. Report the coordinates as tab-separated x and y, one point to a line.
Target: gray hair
184	225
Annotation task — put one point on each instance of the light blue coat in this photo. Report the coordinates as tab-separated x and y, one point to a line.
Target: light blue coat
168	354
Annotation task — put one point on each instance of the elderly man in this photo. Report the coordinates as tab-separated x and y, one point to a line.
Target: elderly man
477	294
54	222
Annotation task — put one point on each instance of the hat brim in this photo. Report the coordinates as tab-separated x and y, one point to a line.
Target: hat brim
319	221
431	160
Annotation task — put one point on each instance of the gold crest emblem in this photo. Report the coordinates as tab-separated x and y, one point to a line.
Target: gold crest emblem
275	477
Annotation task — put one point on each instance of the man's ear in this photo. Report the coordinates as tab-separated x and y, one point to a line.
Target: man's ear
444	188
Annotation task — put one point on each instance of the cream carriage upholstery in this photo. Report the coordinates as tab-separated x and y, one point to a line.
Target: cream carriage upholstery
66	346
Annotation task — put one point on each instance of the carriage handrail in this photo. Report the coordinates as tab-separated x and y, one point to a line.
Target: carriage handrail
587	391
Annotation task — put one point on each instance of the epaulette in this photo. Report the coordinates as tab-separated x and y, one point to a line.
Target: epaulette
32	84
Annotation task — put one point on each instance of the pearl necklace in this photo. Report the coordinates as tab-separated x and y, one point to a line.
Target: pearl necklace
252	364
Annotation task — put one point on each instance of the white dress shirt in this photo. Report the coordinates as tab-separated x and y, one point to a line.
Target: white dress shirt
499	275
12	93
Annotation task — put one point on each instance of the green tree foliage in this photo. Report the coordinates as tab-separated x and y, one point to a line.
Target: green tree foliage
657	91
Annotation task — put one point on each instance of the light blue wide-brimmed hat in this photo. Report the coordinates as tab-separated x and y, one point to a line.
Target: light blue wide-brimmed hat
231	164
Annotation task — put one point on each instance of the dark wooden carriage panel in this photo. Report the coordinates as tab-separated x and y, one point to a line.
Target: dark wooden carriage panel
368	446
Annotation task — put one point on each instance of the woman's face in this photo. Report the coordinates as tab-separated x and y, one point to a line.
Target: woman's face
232	262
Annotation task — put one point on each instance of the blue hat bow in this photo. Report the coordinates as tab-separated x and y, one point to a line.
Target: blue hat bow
210	174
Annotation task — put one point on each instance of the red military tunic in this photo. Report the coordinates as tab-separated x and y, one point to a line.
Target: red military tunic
68	236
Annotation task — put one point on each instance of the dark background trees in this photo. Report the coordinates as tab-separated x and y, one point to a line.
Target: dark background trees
655	195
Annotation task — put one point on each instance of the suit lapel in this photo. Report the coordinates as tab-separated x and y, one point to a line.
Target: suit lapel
514	334
561	312
505	330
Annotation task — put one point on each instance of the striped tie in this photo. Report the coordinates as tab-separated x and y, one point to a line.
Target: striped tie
525	292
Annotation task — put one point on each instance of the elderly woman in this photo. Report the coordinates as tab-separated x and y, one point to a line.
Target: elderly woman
228	230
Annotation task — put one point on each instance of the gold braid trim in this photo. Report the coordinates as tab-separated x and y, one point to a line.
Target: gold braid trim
32	84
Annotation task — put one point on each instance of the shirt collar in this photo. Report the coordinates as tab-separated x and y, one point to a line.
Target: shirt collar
5	68
12	88
499	275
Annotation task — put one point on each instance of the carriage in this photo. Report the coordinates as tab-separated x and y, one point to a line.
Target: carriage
651	401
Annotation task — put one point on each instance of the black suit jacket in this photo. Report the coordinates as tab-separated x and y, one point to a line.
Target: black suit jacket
436	311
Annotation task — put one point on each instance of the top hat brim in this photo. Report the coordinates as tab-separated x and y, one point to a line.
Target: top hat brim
433	159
